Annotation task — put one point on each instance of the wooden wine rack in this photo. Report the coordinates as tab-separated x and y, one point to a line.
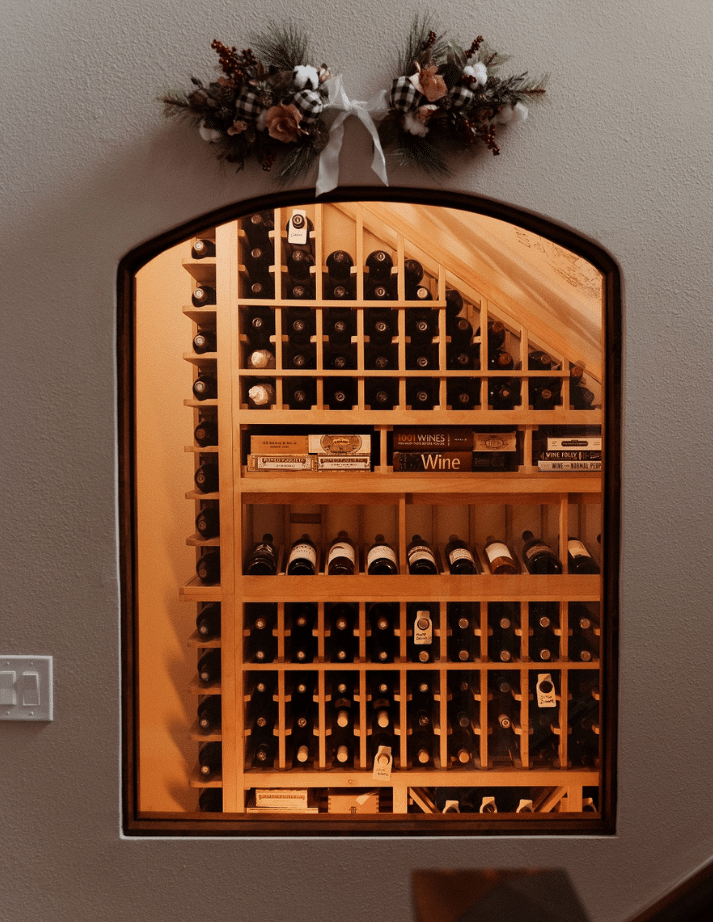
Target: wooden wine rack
287	504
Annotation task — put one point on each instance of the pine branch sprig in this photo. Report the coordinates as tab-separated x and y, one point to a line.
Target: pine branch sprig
282	47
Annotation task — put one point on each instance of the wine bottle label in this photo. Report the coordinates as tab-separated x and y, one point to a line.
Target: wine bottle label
305	552
420	552
460	553
379	551
342	549
298	229
577	549
423	628
545	690
539	548
383	761
497	549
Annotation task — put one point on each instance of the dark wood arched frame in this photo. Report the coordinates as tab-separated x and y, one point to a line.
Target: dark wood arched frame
201	824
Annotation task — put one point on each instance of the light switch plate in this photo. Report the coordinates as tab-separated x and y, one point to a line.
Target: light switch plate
26	688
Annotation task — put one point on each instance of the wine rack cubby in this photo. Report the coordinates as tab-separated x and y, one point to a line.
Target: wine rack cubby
393	399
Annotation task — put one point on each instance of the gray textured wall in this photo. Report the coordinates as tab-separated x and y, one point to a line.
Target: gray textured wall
622	153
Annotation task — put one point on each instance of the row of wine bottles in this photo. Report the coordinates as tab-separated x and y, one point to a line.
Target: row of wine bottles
504	737
421	558
504	637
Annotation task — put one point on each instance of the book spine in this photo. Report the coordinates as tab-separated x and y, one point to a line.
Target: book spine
433	440
343	462
570	456
575	443
280	463
569	465
278	445
436	461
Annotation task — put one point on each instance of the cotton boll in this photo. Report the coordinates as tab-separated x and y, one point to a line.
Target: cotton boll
211	135
512	115
305	77
414	125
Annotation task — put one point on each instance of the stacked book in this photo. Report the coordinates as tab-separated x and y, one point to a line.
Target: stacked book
282	800
451	449
313	452
572	453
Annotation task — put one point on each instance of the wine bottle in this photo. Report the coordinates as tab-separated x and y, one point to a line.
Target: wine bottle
208	566
208	621
203	296
209	667
538	556
381	558
302	617
261	395
581	398
579	560
460	357
205	387
257	229
262	558
496	335
420	556
378	291
299	355
298	324
262	642
302	560
204	341
421	745
500	360
341	556
503	394
260	358
339	266
544	643
299	393
338	291
263	290
460	331
461	620
299	264
500	559
381	393
583	645
540	361
258	326
503	642
206	477
421	616
383	617
265	752
461	747
421	324
300	292
257	261
339	325
420	294
208	522
463	393
459	556
341	358
545	395
413	273
210	760
202	247
380	325
422	393
209	714
206	433
380	357
210	800
340	393
421	356
379	265
342	642
454	303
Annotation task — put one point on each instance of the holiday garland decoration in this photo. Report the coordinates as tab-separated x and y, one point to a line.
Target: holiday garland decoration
447	98
271	103
267	104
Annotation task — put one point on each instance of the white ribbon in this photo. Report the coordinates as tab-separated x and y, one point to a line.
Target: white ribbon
367	113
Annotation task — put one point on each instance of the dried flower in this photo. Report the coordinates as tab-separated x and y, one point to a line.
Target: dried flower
283	123
238	127
429	82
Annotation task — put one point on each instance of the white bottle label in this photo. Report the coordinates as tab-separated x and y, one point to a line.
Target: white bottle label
460	553
383	760
381	550
497	549
298	235
536	549
305	551
545	689
577	549
342	549
420	553
423	628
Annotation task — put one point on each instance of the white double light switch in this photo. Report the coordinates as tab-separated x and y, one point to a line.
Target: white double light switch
25	688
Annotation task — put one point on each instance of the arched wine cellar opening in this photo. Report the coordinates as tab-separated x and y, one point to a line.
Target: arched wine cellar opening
413	400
